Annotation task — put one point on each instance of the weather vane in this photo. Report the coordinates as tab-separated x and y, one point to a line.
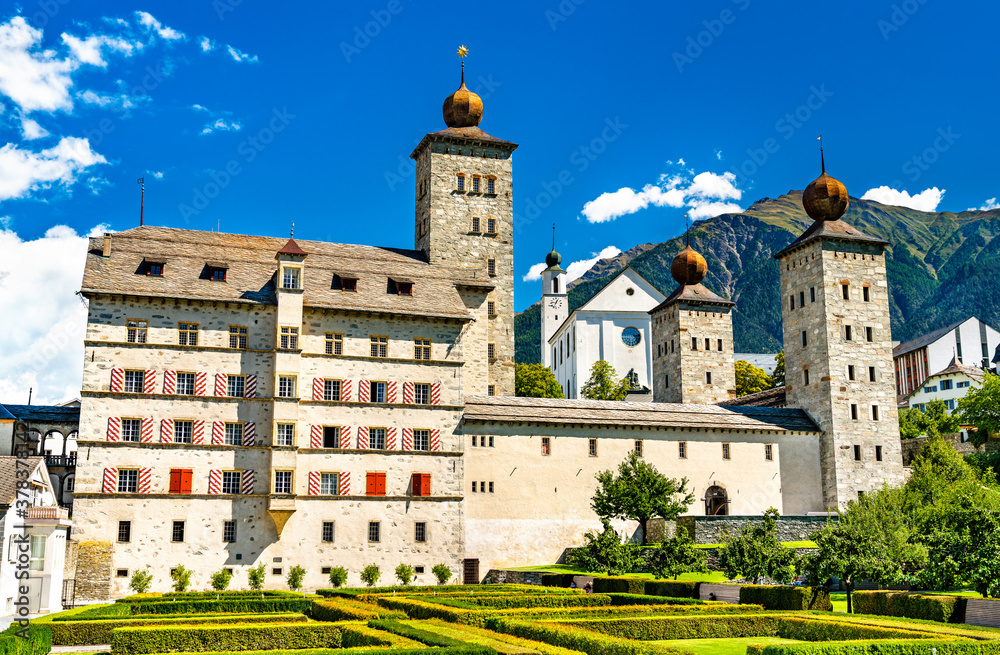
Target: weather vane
463	52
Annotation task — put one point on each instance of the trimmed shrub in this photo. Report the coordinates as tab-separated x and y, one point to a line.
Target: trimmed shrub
442	572
346	609
92	612
338	576
76	633
803	629
787	597
672	588
929	607
350	592
640	599
205	595
32	640
579	640
248	605
879	647
656	628
557	579
546	600
357	636
423	636
619	585
232	637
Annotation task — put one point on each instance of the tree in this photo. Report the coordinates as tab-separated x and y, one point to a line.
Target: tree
778	375
940	480
988	465
536	381
338	576
755	553
442	572
220	579
932	421
181	577
370	574
294	577
255	577
981	408
604	552
604	383
404	573
640	492
141	580
750	379
677	555
964	549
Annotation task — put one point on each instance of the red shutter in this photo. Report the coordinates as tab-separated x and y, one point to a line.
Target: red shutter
185	481
370	485
425	487
175	481
415	484
380	484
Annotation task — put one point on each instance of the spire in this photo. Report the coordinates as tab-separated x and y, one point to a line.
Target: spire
822	161
553	236
291	233
687	219
463	108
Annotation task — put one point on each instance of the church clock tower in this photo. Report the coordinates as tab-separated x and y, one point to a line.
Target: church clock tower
555	303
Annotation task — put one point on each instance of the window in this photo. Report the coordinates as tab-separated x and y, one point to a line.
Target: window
592	447
671	345
177	532
866	294
491	185
334	343
874	412
236	386
963	384
133	381
791	302
421	349
491	224
708	344
124	532
187	334
768	452
329	484
873	376
421	394
846	290
805	340
131	427
725	451
460	186
422	440
136	330
708	377
345	283
380	346
812	294
847	332
682	450
637	447
286	386
185	384
128	481
491	351
475	224
805	376
420	484
290	278
331	389
720	345
475	184
870	334
932	389
234	434
286	434
401	288
376	438
282	482
491	308
491	267
37	562
154	268
216	273
878	452
491	390
420	532
491	486
694	343
231	482
802	298
374	527
327	534
850	371
857	453
238	336
666	381
180	481
121	573
289	338
854	412
377	392
546	446
331	437
229	532
276	570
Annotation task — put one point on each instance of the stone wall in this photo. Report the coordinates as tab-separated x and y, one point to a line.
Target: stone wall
93	570
679	369
712	529
912	446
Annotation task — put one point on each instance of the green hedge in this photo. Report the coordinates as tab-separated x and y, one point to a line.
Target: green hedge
787	597
805	629
657	628
30	640
358	650
93	613
672	588
579	640
359	635
641	599
549	600
76	633
423	636
234	606
206	595
880	647
346	609
557	579
619	585
201	638
350	592
929	607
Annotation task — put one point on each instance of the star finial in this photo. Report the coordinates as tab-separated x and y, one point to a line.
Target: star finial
463	52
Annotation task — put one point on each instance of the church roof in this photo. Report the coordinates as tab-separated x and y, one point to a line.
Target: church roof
553	411
838	230
251	272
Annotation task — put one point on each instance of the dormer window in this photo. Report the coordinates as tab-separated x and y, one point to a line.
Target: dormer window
152	267
342	283
400	287
290	278
215	271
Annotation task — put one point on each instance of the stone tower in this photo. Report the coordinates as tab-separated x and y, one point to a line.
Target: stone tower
692	339
838	346
555	303
464	217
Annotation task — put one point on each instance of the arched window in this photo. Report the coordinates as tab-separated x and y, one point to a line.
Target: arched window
555	285
716	502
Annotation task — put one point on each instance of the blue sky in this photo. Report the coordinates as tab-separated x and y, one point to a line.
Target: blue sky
644	110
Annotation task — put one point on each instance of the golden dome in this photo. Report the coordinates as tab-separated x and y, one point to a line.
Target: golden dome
825	199
463	108
689	267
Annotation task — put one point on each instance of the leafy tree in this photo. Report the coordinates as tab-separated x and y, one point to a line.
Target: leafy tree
442	572
677	555
604	552
220	579
338	576
640	492
181	577
964	549
294	577
370	574
981	408
939	481
604	383
943	422
536	381
404	573
255	577
750	379
778	375
141	580
756	553
988	465
932	421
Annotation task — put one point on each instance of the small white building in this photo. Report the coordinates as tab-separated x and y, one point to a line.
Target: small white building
949	385
971	341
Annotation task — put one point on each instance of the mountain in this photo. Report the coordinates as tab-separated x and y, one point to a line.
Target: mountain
942	267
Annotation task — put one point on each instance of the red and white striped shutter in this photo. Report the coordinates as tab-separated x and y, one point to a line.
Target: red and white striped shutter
364	391
198	432
407	438
114	428
145	480
363	438
250	390
317	388
169	382
146	433
247	482
218	433
345	484
201	384
390	438
249	433
345	390
436	393
408	393
390	391
316	436
313	483
435	439
221	383
117	379
110	485
167	430
215	481
149	381
345	437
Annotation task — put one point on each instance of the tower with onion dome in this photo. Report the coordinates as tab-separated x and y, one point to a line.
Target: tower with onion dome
464	218
555	301
692	345
838	347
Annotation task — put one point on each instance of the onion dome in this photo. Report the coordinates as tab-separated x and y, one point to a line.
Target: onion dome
825	199
463	108
553	259
689	267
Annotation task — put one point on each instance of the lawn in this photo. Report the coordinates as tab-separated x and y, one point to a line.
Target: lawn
731	646
711	576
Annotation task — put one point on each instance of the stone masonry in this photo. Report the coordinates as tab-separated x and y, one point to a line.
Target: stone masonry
686	340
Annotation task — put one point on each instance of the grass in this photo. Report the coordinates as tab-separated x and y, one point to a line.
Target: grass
731	646
711	576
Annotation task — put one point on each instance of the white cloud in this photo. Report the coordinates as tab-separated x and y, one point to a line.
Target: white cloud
577	268
156	174
609	206
718	155
88	50
114	100
206	44
534	273
237	55
988	205
35	80
925	201
220	125
24	171
43	348
704	195
153	25
30	129
699	209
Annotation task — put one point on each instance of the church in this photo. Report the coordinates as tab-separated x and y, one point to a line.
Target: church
251	401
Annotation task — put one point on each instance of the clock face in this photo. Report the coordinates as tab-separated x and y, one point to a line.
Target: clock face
631	337
555	303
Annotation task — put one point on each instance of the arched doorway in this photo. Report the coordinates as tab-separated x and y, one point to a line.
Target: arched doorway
716	502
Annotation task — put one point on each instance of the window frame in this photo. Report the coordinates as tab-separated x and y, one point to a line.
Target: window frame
131	486
334	344
421	349
229	531
182	386
727	451
291	274
290	473
768	452
235	487
126	528
138	333
420	532
682	447
323	479
374	532
288	337
423	439
236	385
592	447
546	445
241	335
379	346
177	529
279	438
332	525
287	386
491	267
186	331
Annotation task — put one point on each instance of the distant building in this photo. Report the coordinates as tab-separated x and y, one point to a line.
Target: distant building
971	342
49	430
949	385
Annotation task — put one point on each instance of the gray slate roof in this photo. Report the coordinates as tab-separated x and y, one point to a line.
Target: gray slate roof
42	413
838	229
925	340
8	475
628	414
767	398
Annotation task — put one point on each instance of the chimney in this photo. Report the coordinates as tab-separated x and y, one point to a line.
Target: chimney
107	245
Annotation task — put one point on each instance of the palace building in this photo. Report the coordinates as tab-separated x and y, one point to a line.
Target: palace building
250	400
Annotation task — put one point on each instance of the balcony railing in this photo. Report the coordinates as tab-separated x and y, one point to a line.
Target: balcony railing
60	460
52	512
